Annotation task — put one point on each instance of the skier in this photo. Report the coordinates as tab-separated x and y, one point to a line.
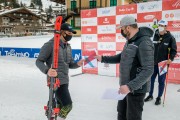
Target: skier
163	40
65	61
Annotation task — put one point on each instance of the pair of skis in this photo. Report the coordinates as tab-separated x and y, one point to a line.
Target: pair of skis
53	83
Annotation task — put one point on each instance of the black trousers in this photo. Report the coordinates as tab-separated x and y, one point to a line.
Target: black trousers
63	96
131	107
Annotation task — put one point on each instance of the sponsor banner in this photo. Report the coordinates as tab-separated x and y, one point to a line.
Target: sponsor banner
108	11
146	24
89	37
76	54
171	15
103	29
176	62
170	4
119	29
20	52
90	70
106	37
119	17
89	13
176	35
117	66
149	7
174	70
111	46
109	39
178	46
120	46
126	9
148	17
89	45
120	38
32	52
174	75
89	21
89	30
173	25
117	70
104	68
106	20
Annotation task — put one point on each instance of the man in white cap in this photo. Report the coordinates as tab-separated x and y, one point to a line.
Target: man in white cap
164	44
136	67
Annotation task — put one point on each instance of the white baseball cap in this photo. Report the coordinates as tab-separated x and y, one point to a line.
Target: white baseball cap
163	22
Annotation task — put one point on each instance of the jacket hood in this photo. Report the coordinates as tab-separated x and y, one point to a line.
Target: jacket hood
143	31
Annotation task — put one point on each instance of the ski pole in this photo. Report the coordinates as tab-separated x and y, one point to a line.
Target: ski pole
166	80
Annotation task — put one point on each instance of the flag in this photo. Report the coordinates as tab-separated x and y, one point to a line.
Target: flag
90	61
162	67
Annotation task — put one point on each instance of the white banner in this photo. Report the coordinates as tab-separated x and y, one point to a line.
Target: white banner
107	46
89	37
109	11
149	7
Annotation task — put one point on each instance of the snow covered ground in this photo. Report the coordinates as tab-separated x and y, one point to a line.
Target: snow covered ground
23	90
34	41
23	93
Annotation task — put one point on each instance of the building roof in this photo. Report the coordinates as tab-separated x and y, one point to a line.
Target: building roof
59	1
19	9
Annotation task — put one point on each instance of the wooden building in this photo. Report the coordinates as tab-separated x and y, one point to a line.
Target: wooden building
20	21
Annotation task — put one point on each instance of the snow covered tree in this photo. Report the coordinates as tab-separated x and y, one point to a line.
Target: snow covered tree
39	3
32	5
14	4
21	4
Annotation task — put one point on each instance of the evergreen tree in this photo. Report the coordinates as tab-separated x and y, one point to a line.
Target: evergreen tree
2	1
21	4
50	9
5	3
14	4
33	1
49	13
39	3
32	5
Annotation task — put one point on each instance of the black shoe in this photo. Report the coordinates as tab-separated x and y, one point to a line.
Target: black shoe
149	98
158	101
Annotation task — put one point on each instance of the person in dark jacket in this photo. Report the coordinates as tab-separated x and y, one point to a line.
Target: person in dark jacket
136	67
164	44
65	61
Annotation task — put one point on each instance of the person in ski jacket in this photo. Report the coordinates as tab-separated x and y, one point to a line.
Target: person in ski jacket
136	67
164	44
65	61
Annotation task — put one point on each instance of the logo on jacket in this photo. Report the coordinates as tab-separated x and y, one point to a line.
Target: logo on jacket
166	43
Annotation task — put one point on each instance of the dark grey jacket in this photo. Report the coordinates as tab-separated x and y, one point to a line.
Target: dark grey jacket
65	60
136	61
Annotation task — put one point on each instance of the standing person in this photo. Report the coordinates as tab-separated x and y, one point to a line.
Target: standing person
65	61
163	41
136	67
